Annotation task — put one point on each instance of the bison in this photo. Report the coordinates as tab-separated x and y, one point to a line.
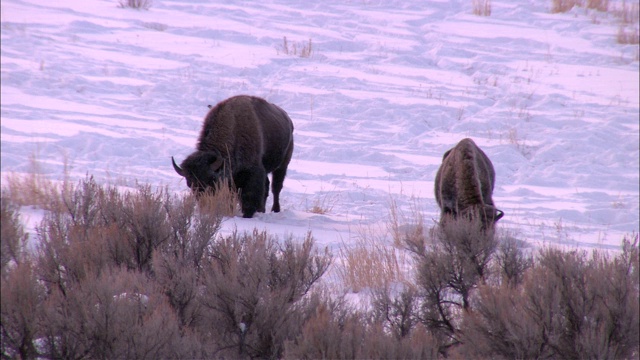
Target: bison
464	184
243	139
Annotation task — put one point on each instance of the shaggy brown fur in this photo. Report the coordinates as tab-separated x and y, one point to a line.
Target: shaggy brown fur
464	184
243	139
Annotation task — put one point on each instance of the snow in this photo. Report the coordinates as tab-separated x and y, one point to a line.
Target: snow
388	88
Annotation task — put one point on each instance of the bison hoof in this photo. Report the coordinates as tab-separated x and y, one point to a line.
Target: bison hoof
248	212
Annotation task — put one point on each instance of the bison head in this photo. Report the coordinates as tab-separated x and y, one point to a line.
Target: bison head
487	215
202	170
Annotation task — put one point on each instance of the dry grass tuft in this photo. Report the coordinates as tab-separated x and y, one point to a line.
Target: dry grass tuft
629	17
370	262
35	189
481	7
405	227
323	205
302	49
222	200
628	36
135	4
626	13
562	6
600	5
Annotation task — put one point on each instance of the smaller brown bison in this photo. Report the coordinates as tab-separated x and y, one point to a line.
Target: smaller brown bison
243	139
464	184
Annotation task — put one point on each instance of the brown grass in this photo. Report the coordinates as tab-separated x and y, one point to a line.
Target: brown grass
600	5
481	7
301	49
135	4
561	6
35	189
370	262
626	13
322	205
406	227
222	200
628	16
628	36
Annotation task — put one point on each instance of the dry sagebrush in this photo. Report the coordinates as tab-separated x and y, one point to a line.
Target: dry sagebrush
145	274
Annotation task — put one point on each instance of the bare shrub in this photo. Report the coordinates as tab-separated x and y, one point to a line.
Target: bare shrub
141	273
481	7
569	306
252	289
336	331
81	203
135	4
502	325
178	266
146	223
512	261
454	263
332	332
397	312
20	308
109	228
178	280
13	239
117	314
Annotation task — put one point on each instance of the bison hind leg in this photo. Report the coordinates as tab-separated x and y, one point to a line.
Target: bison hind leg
266	190
251	183
276	187
278	178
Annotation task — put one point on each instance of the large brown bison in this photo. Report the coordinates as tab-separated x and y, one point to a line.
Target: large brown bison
243	139
464	184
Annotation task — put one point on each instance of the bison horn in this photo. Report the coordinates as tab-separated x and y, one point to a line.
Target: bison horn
177	168
499	215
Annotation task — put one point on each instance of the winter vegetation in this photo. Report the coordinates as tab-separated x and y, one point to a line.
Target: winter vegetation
143	273
105	254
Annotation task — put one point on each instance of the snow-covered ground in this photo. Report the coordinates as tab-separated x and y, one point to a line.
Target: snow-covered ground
388	87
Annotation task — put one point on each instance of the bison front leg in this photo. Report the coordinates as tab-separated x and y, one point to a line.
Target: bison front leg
251	184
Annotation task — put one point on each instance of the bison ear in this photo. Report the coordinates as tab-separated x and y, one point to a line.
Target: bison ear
446	154
499	215
177	168
216	163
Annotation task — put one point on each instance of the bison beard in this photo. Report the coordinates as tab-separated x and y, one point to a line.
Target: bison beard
464	185
243	139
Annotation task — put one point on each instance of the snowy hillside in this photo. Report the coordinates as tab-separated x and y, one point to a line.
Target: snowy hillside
377	90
